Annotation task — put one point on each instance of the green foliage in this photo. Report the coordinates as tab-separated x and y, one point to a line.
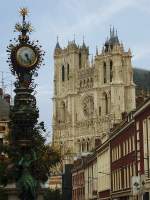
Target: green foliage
3	177
53	195
3	196
39	161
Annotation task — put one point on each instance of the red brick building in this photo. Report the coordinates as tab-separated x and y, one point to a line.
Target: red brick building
123	159
78	180
142	131
129	154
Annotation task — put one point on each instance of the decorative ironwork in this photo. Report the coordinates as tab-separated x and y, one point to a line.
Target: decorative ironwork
24	55
24	58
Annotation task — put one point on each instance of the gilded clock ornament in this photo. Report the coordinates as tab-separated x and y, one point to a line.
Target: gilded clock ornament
24	55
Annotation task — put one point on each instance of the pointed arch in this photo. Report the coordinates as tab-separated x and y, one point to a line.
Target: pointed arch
111	70
68	71
104	72
62	111
63	73
80	64
105	103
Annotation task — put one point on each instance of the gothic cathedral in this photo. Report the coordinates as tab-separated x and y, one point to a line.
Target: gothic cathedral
90	96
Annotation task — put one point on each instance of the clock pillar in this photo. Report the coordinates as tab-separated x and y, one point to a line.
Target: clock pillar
25	57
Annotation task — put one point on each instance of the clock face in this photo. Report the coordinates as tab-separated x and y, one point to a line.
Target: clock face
26	57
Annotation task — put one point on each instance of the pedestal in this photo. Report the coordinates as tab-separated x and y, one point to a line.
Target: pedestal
12	192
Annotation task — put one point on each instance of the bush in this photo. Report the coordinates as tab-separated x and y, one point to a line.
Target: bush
53	195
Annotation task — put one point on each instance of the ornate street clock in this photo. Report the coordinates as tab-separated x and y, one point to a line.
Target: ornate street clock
24	58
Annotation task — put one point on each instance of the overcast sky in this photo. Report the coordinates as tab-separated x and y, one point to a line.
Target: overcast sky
66	18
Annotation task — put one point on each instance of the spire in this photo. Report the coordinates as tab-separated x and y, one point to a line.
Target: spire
83	44
92	60
116	33
113	36
74	38
110	31
24	27
96	51
57	44
112	40
113	32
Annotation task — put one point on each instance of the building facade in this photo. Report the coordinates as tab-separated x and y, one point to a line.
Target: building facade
91	177
89	97
104	171
78	179
4	115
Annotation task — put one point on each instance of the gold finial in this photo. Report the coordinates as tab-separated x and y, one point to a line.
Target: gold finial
23	11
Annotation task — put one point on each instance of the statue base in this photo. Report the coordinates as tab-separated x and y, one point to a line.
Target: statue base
12	192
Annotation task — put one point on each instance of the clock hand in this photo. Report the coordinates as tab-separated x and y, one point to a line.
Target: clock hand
27	57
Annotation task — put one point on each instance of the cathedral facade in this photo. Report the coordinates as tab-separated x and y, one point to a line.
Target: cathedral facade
90	96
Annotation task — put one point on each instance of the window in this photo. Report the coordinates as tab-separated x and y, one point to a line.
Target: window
137	126
112	155
113	175
131	173
124	148
133	143
99	110
120	179
2	128
62	112
104	72
1	140
91	82
87	146
125	178
130	144
128	177
127	147
68	71
63	73
83	146
80	60
80	84
119	151
134	169
106	103
111	71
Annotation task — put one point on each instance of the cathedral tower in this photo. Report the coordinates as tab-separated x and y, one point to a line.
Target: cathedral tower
89	97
